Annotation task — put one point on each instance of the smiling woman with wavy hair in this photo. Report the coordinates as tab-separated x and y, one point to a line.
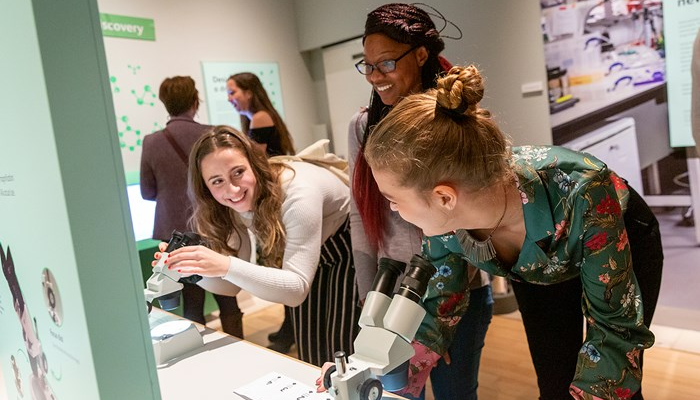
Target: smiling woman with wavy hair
214	220
278	230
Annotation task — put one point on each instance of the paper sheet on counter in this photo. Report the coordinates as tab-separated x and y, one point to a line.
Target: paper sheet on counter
276	386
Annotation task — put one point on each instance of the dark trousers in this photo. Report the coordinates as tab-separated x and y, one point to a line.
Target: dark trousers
286	332
460	379
555	333
230	315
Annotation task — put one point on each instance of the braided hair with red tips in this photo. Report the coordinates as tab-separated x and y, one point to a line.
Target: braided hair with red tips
408	24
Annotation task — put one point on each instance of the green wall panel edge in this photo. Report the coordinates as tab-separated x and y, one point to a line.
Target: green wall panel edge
82	114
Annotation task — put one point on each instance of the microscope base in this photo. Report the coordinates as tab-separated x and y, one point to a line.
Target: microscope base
173	339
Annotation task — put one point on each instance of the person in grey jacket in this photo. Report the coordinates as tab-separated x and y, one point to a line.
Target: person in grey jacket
163	178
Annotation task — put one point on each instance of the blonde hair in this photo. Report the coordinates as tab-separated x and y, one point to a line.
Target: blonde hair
442	136
217	222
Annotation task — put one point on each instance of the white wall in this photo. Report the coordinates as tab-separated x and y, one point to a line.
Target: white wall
502	36
189	32
324	22
347	90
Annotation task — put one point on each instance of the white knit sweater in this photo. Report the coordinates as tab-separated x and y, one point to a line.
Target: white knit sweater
315	206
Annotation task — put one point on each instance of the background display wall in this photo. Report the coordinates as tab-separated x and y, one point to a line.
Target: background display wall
260	36
188	38
502	37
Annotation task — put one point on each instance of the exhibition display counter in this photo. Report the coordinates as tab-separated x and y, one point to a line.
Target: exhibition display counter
225	365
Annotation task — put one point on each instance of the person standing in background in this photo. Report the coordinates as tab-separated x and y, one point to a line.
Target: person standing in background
261	122
259	119
402	56
164	179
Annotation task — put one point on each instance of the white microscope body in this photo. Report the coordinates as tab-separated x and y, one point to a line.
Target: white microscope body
384	343
162	282
163	285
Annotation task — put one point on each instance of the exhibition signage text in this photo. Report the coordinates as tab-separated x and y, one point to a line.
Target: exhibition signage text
127	27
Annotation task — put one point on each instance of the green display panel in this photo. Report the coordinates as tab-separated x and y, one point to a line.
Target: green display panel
682	22
221	112
72	314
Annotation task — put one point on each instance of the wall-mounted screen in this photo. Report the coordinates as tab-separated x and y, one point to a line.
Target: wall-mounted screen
683	24
142	213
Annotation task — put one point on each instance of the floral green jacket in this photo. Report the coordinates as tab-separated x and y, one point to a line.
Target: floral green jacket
573	208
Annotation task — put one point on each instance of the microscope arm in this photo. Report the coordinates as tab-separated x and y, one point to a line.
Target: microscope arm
162	282
378	349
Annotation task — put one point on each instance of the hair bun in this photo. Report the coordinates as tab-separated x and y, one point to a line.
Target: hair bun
460	91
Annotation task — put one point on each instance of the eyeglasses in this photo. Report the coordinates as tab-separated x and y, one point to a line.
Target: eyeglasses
384	67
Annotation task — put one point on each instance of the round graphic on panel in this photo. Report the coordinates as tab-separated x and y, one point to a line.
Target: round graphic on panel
52	297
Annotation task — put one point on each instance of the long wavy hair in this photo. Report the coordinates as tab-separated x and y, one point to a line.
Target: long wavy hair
217	223
260	101
408	24
442	136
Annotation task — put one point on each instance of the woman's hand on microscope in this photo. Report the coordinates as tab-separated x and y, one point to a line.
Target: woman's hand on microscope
195	260
159	254
319	382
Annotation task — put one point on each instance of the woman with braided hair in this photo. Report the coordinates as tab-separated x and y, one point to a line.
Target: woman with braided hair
573	237
402	49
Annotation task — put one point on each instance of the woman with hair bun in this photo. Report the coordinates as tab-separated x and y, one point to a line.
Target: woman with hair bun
573	237
402	49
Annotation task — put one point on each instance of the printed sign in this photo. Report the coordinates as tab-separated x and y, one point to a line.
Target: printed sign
128	27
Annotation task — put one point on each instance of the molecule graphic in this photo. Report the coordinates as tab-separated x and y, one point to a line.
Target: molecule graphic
126	133
133	135
146	93
113	83
134	68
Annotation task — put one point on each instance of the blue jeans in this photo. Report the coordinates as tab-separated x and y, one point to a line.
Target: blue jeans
460	379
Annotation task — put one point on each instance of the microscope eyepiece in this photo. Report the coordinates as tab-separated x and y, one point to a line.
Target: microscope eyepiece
415	283
179	239
388	272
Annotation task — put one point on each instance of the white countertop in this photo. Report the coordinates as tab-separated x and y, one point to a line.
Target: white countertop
224	364
586	107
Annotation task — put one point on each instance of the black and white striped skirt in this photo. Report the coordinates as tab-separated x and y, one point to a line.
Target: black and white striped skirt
327	320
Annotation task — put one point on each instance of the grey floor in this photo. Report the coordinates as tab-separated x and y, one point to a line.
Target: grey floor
679	300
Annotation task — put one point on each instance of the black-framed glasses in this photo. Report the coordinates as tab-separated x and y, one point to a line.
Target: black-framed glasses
384	67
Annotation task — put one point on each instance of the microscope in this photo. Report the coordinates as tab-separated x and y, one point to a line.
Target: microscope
383	346
174	338
164	284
